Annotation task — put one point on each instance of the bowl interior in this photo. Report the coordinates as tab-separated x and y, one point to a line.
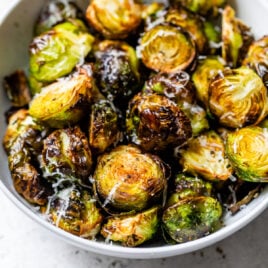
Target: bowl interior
16	26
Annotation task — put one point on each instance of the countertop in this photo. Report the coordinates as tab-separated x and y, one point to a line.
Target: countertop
25	244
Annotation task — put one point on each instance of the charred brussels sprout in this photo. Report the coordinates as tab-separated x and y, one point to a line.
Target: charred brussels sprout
74	210
66	155
192	218
155	123
23	142
238	98
56	52
64	102
116	69
103	126
126	179
132	230
207	68
114	19
167	49
190	23
257	58
247	150
186	186
55	12
236	38
203	7
205	156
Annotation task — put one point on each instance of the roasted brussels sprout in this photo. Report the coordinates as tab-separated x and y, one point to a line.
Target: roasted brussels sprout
186	186
202	7
238	98
116	69
207	68
257	58
192	218
23	142
63	103
167	49
236	38
66	155
74	210
247	150
103	126
17	89
114	19
55	53
126	179
191	23
205	156
132	230
55	12
155	123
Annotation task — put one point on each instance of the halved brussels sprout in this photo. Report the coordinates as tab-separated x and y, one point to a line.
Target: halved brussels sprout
203	7
116	69
192	218
126	179
17	89
257	58
167	49
55	12
23	142
207	68
132	230
64	102
74	210
155	123
66	155
186	186
236	38
103	126
205	156
114	19
55	53
191	23
247	149
238	98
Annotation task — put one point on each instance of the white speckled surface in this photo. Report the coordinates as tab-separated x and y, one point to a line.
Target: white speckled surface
25	244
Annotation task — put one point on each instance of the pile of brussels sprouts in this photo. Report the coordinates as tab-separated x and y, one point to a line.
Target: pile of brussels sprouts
139	121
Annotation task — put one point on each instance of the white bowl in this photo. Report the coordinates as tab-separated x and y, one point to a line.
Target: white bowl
16	23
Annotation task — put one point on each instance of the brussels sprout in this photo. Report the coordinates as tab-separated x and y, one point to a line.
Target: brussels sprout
155	123
186	186
23	142
213	34
167	49
257	58
190	23
103	127
66	154
116	69
63	103
238	98
246	149
192	218
203	7
207	68
236	38
55	12
17	89
114	19
132	230
74	210
205	156
56	52
127	179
